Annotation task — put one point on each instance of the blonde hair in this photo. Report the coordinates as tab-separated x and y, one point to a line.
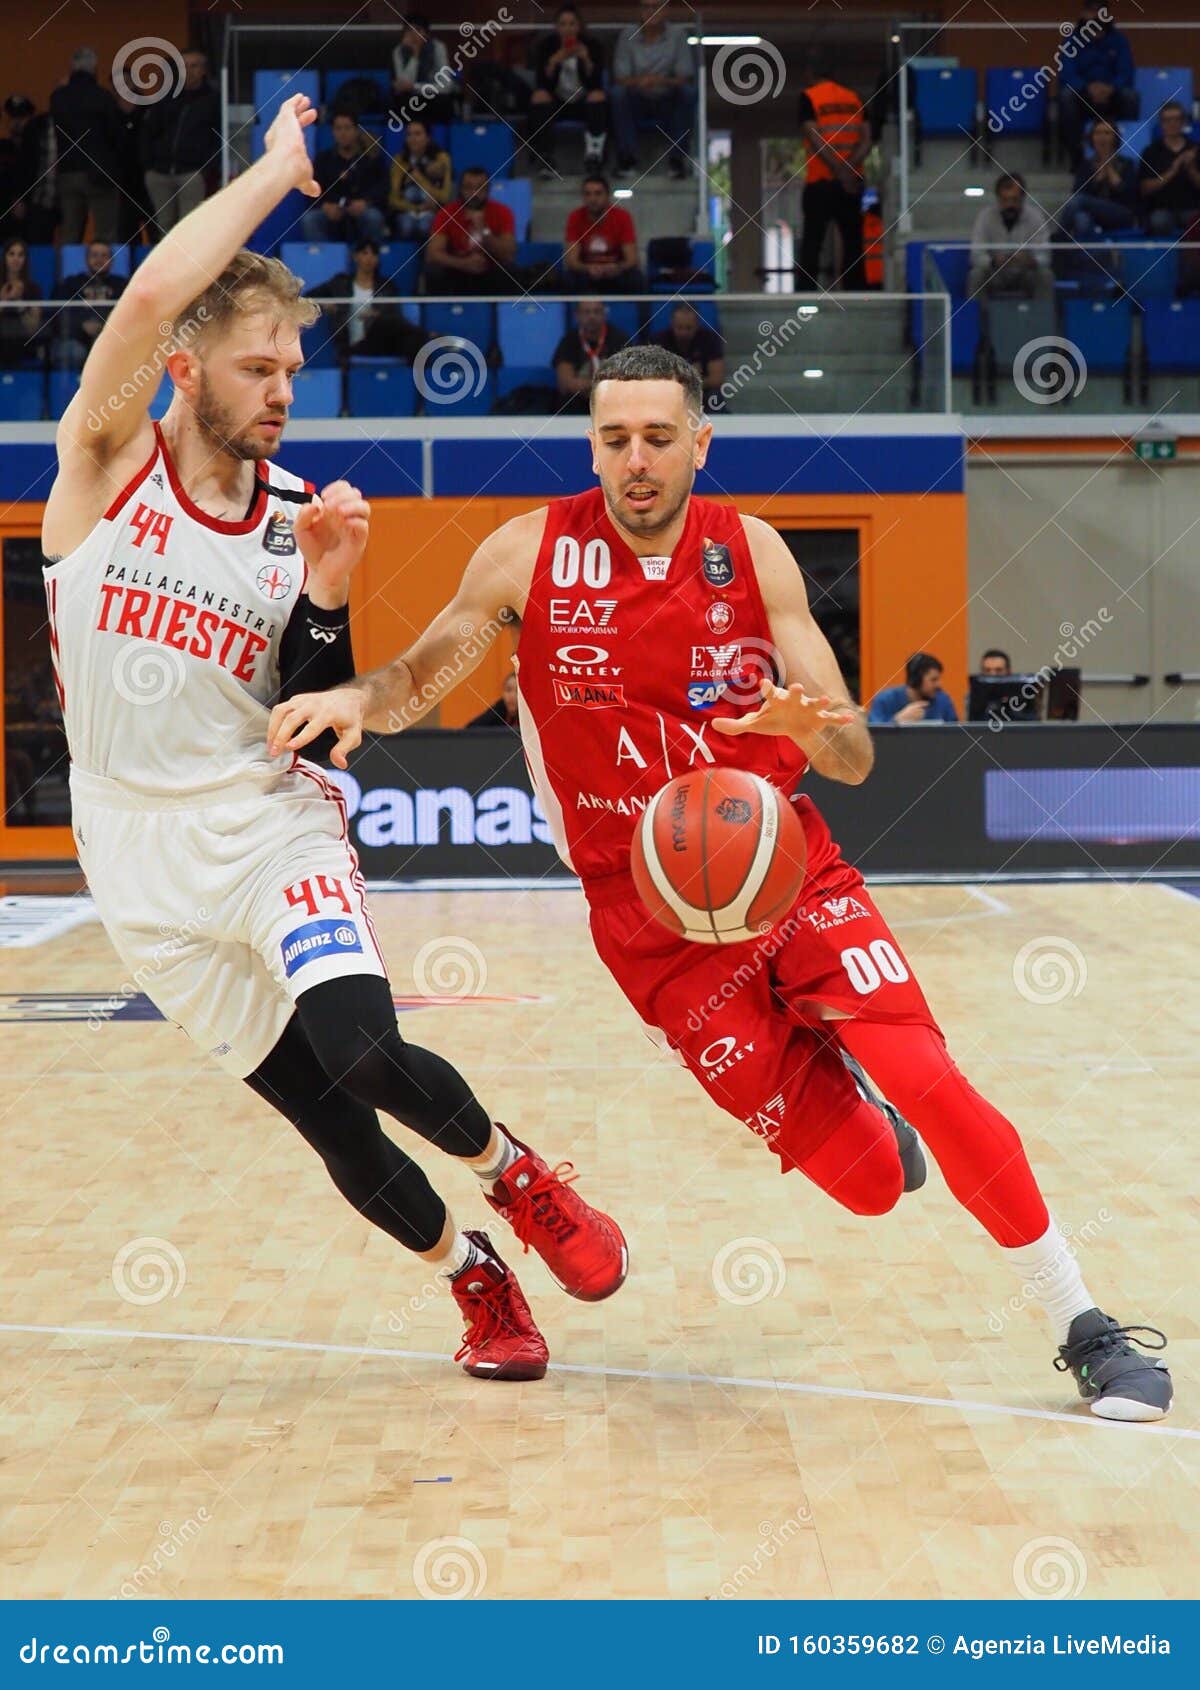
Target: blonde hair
250	282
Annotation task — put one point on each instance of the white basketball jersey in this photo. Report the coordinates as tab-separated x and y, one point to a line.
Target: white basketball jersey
164	630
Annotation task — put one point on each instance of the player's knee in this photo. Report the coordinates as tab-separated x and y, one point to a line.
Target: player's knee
872	1197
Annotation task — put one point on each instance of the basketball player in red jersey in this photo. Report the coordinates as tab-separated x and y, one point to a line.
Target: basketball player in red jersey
642	608
190	583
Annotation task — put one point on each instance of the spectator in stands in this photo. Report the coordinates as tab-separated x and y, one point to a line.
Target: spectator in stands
134	214
87	122
1095	78
920	699
654	78
1106	189
474	242
838	138
580	351
693	340
600	244
30	204
995	662
422	182
181	140
353	176
569	72
1169	178
76	329
1004	259
370	327
502	714
422	83
18	328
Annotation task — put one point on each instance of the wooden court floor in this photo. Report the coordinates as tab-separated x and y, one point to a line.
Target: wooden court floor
219	1381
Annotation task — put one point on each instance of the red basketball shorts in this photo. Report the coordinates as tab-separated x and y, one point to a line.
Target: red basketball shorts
746	1019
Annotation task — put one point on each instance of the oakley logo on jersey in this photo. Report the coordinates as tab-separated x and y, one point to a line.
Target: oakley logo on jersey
317	939
723	1054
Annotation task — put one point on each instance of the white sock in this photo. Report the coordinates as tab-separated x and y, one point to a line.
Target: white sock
500	1164
463	1254
1050	1275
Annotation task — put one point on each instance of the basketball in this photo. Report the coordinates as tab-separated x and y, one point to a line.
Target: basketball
718	856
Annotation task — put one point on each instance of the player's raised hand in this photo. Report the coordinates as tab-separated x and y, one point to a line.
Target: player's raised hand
300	720
790	711
284	141
331	533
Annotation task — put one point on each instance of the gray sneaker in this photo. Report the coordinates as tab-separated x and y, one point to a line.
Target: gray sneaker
1114	1380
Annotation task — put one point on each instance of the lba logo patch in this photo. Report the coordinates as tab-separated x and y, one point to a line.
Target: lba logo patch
715	559
328	937
278	538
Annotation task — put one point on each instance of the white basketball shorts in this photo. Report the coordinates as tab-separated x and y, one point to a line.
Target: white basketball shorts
224	909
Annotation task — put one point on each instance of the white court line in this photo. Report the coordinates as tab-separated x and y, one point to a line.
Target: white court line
733	1381
989	900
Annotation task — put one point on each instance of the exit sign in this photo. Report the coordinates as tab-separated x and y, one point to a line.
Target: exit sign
1155	451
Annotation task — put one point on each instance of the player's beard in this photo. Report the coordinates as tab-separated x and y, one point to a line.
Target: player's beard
643	524
227	432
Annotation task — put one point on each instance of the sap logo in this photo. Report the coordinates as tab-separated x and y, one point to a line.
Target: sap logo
715	660
328	937
583	613
586	660
592	695
768	1120
723	1054
499	815
836	912
702	695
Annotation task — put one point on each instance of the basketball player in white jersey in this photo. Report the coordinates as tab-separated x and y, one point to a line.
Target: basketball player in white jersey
619	592
190	584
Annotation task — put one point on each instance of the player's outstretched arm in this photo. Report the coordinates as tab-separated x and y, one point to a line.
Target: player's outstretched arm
813	707
130	351
490	599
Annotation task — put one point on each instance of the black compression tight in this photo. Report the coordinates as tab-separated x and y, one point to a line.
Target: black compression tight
340	1059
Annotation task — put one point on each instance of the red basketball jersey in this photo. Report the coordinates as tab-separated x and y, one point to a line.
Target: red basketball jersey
625	661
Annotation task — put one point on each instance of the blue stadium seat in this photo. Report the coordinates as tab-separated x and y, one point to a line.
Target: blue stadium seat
659	319
1157	84
43	267
543	256
258	135
64	384
492	145
952	265
1101	329
335	81
282	224
626	315
72	260
1137	134
1007	110
315	261
400	262
528	330
701	259
21	395
321	350
317	393
945	101
381	387
1172	334
468	404
273	87
1148	271
163	396
462	319
516	192
511	376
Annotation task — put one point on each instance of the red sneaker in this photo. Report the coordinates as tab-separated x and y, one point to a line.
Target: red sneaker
501	1340
584	1250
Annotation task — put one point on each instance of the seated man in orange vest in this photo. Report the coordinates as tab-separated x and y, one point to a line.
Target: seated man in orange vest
835	129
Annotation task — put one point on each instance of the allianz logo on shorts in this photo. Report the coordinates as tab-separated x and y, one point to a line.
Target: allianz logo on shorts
317	939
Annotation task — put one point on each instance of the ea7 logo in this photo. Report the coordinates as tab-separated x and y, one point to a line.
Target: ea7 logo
768	1120
582	613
